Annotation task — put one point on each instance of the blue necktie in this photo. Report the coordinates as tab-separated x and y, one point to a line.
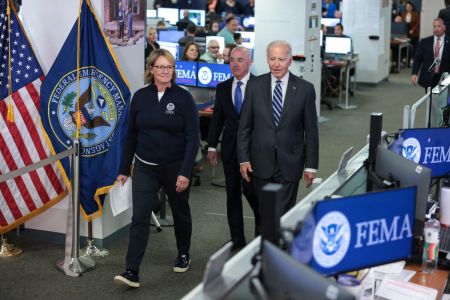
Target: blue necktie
238	97
277	102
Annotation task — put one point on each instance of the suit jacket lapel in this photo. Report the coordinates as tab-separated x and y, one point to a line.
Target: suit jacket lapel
289	98
268	98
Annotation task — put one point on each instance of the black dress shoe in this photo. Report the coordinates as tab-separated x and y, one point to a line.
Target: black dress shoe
238	244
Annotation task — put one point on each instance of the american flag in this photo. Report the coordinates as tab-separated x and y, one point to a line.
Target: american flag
22	141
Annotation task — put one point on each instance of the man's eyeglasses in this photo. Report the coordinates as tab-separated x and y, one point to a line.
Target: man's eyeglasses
168	68
214	47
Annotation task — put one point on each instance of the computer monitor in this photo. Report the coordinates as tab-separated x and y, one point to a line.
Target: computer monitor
171	47
197	16
172	36
338	45
355	232
330	22
398	29
186	72
152	22
248	39
429	147
248	22
285	278
169	14
209	75
403	173
151	13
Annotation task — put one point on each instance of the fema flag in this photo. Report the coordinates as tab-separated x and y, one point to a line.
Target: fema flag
101	107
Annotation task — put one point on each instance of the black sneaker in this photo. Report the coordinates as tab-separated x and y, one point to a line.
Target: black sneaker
182	263
129	278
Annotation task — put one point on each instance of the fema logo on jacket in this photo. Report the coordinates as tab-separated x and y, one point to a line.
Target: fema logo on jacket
101	106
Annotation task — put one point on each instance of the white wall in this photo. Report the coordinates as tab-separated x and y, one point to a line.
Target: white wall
430	10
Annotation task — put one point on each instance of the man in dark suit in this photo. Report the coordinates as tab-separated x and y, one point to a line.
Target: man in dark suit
432	57
227	108
278	138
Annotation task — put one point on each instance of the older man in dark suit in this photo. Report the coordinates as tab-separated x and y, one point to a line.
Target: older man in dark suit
432	57
278	138
227	109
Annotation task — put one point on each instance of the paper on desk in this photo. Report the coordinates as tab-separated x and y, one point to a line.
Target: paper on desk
399	290
120	197
404	275
392	268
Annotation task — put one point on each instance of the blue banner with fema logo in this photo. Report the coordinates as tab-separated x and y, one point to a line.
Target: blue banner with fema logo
210	75
429	147
186	73
103	108
356	232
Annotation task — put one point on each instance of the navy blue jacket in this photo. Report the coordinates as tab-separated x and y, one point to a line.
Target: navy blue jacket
163	131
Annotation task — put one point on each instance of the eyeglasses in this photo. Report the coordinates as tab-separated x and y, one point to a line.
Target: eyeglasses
167	68
214	47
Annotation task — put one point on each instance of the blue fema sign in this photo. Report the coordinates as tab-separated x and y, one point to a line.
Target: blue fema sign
99	108
356	232
209	75
186	73
429	147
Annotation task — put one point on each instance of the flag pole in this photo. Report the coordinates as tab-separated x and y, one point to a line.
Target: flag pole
74	265
91	251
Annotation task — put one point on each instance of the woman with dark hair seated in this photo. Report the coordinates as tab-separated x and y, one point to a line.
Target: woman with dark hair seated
191	52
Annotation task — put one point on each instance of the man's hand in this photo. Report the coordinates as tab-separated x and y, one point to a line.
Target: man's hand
309	177
182	183
246	170
414	79
212	158
122	179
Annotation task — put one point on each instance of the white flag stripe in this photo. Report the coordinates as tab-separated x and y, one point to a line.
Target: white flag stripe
3	206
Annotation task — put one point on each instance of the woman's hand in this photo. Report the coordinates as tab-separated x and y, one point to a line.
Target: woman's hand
182	183
122	179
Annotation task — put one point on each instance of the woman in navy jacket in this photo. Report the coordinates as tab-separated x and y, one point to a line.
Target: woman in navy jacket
163	139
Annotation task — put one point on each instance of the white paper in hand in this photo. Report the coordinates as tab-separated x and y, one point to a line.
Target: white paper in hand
120	197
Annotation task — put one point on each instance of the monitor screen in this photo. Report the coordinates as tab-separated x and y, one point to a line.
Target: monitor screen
170	35
390	166
285	278
356	232
151	13
151	22
329	22
429	147
398	28
338	45
197	16
171	47
169	14
248	22
186	72
248	39
209	75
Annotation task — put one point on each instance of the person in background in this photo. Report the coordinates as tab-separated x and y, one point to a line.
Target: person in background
161	24
249	8
162	139
190	35
226	52
191	52
224	125
238	38
330	9
412	20
212	54
130	22
432	57
186	19
444	14
231	6
228	31
214	26
152	44
278	137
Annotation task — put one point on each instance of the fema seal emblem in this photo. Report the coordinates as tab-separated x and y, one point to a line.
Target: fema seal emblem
169	108
331	239
204	75
98	110
411	149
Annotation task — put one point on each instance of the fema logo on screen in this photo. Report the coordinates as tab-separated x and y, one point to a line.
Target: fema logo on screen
98	109
411	149
331	239
204	75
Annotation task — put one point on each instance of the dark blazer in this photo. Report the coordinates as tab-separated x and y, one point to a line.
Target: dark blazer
444	14
424	59
224	118
295	140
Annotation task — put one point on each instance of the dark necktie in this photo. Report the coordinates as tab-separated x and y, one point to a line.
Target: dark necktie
238	97
277	102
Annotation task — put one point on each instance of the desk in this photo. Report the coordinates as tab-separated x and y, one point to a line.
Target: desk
401	43
344	78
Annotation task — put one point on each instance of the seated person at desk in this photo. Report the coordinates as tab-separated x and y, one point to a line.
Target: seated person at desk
412	20
191	52
189	35
212	54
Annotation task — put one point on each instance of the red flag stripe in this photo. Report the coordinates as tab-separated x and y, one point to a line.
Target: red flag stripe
5	206
3	221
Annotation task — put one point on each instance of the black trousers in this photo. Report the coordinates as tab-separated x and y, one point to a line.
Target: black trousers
147	180
235	186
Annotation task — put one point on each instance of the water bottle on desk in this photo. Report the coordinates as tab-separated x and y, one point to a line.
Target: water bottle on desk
431	244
